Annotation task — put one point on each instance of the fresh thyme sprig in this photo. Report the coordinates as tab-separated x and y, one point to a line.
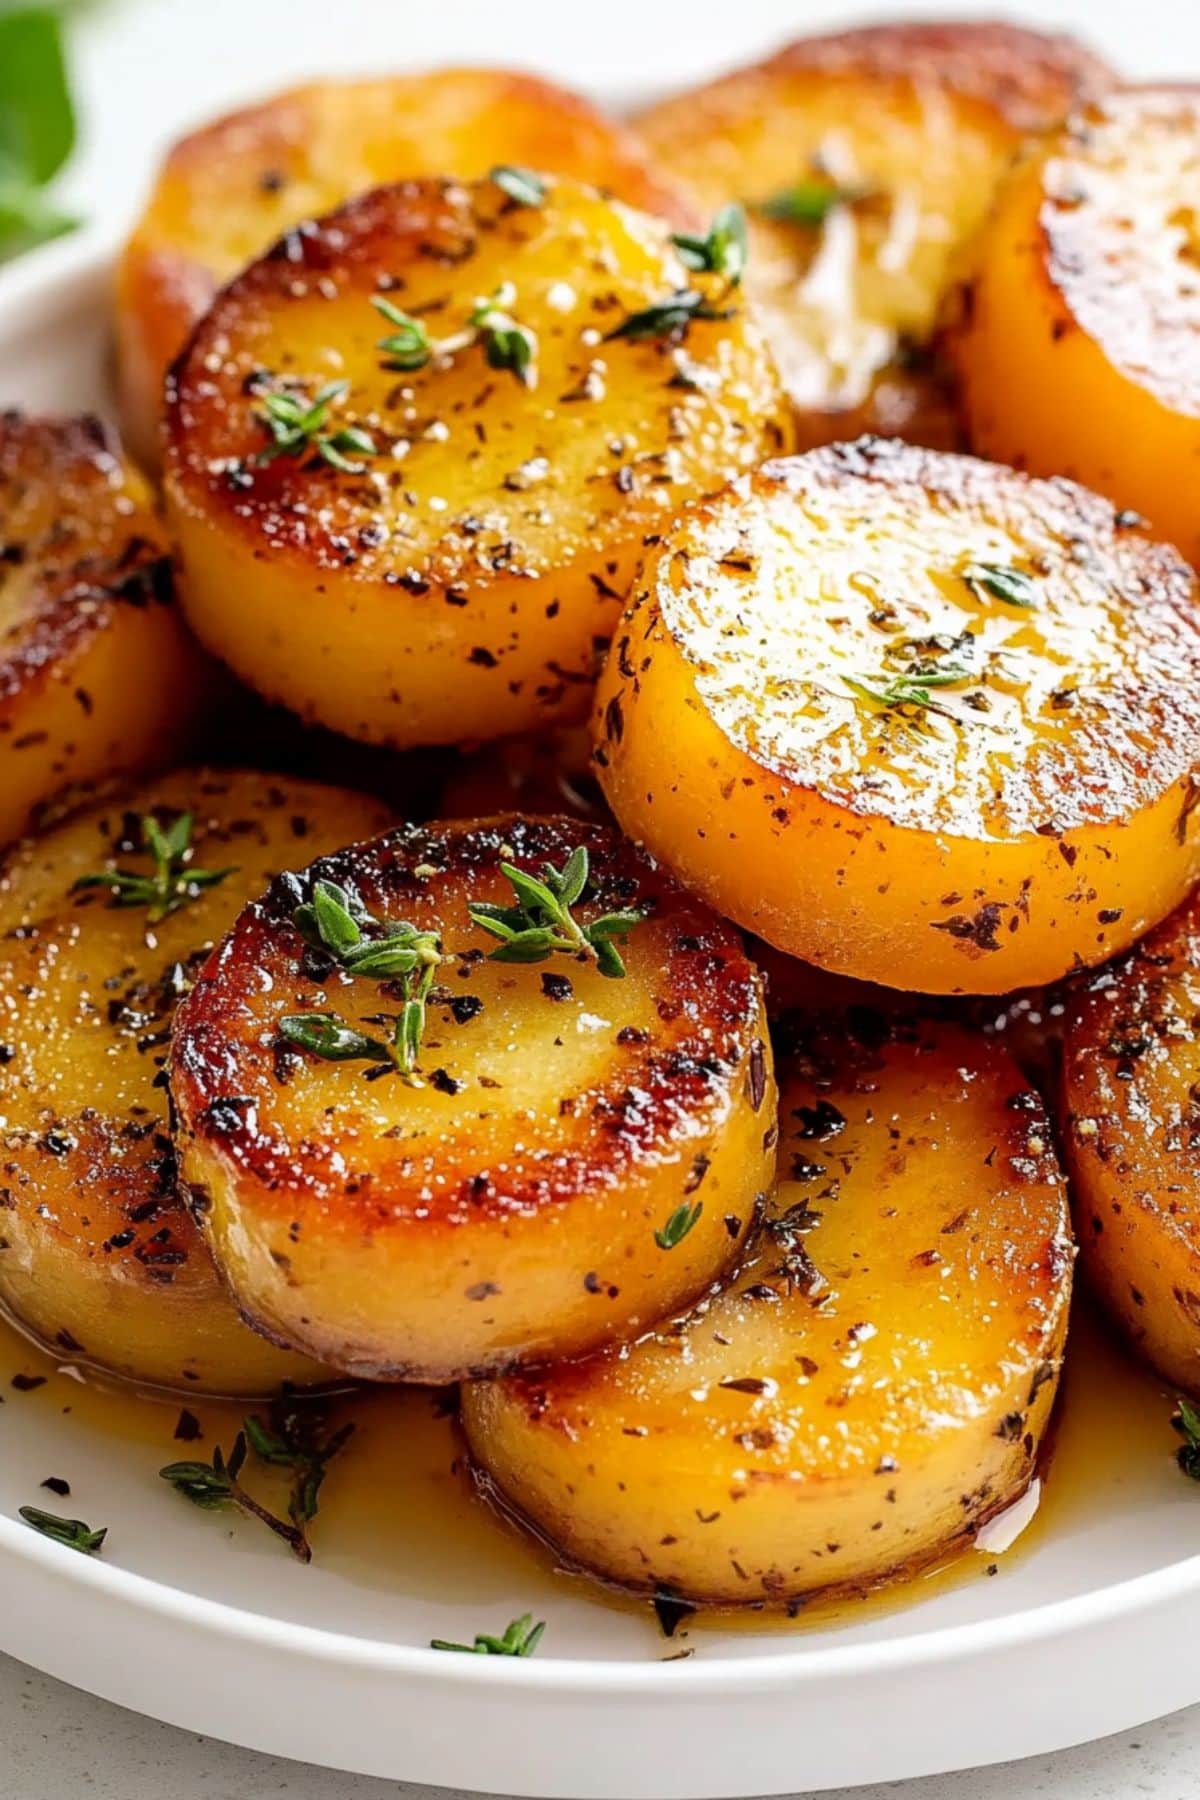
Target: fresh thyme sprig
216	1486
678	1225
506	343
522	186
810	202
71	1532
541	922
294	1437
726	249
1187	1423
298	426
174	883
521	1638
914	687
333	922
669	318
999	581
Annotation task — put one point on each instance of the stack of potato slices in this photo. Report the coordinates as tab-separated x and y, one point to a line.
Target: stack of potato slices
654	1091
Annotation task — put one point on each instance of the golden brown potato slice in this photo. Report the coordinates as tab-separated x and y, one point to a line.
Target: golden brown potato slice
869	159
512	1186
98	1257
455	570
1079	343
97	674
228	190
1131	1092
875	1382
912	717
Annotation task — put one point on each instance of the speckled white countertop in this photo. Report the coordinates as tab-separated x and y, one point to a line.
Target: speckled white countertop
145	69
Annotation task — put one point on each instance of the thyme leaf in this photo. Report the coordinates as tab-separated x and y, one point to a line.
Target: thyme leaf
1187	1423
521	1638
294	1436
299	427
809	202
522	186
71	1532
678	1225
506	343
669	318
724	251
914	687
216	1486
542	922
999	581
174	883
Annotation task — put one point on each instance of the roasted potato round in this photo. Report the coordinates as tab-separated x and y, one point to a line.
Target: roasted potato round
874	1384
228	190
1078	345
512	1184
441	552
97	1255
912	717
97	674
869	159
1131	1134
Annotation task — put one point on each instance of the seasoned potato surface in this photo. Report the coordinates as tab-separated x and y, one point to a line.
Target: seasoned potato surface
96	672
228	190
869	159
98	1258
1079	349
455	572
912	717
875	1382
511	1193
1131	1078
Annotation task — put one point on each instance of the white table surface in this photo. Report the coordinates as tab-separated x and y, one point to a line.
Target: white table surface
147	67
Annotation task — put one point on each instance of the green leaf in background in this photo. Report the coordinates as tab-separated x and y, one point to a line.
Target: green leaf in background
37	125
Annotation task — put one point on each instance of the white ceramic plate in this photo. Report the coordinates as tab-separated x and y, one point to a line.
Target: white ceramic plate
1086	1629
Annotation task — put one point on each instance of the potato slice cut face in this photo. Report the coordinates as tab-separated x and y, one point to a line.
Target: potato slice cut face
452	568
869	159
98	1257
1079	347
875	1382
576	1155
228	190
1131	1083
97	674
912	717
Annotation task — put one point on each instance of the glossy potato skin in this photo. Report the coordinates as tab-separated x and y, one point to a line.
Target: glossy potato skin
97	674
1086	296
98	1257
505	1209
924	117
873	1385
226	191
1131	1075
464	585
1043	827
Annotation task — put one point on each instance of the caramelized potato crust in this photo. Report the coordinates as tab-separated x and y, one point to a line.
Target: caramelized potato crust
912	717
505	1206
1131	1081
1079	344
97	674
460	580
875	1382
913	125
98	1258
225	192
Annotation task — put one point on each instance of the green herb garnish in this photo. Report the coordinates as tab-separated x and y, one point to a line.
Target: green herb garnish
1000	582
174	883
506	343
71	1532
37	126
678	1225
1187	1423
541	922
809	202
915	687
292	1439
520	1639
520	185
333	922
298	426
726	249
668	318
